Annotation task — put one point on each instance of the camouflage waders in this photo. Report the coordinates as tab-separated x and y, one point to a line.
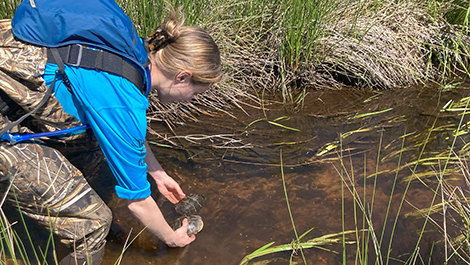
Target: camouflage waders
36	177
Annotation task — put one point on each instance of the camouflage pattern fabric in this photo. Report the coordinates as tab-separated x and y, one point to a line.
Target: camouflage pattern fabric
35	176
49	189
21	69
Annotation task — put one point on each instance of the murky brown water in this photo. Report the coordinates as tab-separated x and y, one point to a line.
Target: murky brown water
241	180
246	206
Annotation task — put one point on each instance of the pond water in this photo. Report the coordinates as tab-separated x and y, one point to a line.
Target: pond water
237	168
348	133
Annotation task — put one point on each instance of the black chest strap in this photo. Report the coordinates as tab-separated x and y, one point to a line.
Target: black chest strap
80	56
77	55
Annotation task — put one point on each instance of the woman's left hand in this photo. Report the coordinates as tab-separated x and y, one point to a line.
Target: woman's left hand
169	188
165	184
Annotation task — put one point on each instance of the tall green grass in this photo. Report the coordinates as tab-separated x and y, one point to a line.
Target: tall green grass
8	7
286	45
459	12
15	247
282	41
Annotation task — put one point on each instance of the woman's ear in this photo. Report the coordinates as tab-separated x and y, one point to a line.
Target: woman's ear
183	77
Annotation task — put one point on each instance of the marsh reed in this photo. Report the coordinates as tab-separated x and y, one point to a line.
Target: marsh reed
290	46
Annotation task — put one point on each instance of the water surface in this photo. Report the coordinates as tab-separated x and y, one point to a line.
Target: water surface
236	164
241	178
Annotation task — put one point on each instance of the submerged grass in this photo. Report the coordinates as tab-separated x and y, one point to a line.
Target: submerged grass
375	226
296	244
288	46
371	245
376	236
318	242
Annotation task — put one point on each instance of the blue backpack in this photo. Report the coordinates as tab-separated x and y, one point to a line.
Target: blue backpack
99	23
65	26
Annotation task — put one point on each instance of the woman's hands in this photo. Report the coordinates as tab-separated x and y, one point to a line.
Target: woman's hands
168	187
182	236
165	184
148	213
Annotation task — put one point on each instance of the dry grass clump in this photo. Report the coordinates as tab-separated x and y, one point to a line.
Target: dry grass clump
216	99
250	53
365	43
288	46
377	44
395	45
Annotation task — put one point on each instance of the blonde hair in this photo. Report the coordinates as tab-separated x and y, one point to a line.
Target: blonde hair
175	48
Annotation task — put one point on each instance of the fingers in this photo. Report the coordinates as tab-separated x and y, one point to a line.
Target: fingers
181	194
193	237
185	225
178	192
171	198
175	196
171	190
184	239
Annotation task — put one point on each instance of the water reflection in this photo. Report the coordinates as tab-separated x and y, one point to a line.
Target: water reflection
241	178
246	206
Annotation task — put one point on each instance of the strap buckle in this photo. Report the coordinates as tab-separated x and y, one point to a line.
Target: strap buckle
79	55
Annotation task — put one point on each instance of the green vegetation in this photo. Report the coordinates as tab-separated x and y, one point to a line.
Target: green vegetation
289	46
375	220
7	8
14	247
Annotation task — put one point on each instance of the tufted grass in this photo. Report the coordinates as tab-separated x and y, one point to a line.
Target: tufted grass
289	46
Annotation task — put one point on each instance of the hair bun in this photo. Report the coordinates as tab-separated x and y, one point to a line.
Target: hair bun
159	39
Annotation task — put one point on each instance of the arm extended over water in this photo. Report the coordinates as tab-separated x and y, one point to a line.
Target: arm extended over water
148	212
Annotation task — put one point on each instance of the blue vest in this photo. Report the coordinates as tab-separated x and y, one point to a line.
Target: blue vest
99	23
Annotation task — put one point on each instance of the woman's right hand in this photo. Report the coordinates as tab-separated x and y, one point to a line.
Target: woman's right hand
181	237
148	213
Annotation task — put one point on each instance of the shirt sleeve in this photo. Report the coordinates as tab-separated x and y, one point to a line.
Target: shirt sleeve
116	111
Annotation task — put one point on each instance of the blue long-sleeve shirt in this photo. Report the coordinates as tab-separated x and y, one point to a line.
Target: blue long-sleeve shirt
116	112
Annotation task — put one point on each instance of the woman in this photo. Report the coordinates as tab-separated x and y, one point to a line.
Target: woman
184	61
175	78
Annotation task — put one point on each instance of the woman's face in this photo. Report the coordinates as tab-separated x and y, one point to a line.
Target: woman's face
179	88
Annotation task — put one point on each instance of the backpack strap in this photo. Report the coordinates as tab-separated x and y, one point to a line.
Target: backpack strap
80	56
46	96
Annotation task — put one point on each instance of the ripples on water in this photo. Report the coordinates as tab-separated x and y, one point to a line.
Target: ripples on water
246	206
